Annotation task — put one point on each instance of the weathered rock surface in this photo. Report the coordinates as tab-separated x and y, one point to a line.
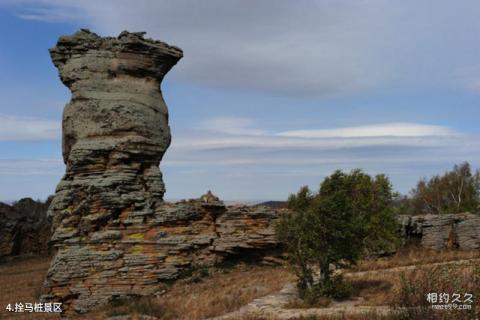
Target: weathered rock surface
24	228
460	231
114	235
115	128
124	260
243	228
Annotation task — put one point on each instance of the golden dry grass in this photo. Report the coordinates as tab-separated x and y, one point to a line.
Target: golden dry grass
219	293
20	281
414	286
407	288
225	292
222	291
367	316
415	256
378	288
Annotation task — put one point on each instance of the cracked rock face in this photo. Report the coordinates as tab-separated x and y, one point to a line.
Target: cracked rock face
113	234
455	231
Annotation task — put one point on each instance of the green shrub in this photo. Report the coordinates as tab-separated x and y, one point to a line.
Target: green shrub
350	215
337	288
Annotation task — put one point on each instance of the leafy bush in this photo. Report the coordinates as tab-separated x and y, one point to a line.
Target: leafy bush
349	216
336	288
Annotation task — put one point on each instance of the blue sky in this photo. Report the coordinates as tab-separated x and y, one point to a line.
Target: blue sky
270	95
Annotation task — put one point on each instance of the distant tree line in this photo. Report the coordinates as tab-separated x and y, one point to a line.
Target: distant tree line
455	191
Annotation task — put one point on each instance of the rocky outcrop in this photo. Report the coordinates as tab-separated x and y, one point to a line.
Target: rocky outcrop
114	235
118	261
245	229
437	232
24	228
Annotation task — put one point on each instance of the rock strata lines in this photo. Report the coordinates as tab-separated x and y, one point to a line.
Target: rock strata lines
114	235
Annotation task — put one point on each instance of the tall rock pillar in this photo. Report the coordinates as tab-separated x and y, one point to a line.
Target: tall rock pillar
115	132
115	128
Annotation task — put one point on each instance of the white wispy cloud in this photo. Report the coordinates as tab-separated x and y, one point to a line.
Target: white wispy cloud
15	128
279	142
376	130
232	132
270	166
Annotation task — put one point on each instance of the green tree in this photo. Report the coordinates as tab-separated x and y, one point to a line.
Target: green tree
456	191
349	216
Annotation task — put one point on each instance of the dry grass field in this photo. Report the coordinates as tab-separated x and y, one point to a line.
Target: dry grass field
20	281
211	292
203	295
415	256
206	293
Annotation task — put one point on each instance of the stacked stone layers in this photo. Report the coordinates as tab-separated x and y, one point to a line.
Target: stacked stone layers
443	231
114	235
115	128
137	260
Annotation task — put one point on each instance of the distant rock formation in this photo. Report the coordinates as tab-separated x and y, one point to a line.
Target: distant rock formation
443	231
114	235
24	228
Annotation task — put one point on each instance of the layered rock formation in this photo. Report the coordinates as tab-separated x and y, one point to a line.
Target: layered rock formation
114	235
443	231
115	128
117	262
24	228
